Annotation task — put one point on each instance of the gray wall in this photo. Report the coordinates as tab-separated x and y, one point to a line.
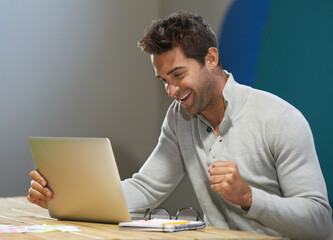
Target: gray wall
72	68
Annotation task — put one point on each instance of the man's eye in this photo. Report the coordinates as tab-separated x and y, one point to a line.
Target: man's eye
177	75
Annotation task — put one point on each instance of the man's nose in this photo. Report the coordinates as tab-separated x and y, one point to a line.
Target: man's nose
172	90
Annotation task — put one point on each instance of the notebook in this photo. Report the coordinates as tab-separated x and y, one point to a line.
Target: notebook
83	175
162	225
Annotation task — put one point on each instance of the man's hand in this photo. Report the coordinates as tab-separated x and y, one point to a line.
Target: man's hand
39	193
226	179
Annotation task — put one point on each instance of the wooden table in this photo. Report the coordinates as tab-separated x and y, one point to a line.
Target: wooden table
18	211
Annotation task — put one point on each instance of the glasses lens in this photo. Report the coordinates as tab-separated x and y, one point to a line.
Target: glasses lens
188	214
160	213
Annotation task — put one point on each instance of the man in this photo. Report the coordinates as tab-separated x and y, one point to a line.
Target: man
249	155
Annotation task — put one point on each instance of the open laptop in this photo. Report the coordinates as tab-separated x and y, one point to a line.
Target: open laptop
84	178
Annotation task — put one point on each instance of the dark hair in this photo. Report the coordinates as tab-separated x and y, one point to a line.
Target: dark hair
185	30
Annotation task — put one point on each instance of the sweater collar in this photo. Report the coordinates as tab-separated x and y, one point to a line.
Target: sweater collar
234	96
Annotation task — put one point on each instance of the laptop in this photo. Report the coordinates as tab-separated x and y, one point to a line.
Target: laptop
83	175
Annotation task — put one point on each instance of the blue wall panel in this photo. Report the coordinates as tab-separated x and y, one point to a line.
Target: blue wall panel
240	38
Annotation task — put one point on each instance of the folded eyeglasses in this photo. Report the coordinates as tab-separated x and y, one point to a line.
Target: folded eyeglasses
188	213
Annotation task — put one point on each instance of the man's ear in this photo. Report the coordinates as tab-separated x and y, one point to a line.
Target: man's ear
212	57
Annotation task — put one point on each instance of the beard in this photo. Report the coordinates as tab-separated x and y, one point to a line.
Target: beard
203	94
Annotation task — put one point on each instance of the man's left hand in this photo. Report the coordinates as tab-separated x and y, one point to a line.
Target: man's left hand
226	179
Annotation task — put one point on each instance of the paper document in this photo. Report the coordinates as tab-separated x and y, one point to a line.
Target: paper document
37	228
163	225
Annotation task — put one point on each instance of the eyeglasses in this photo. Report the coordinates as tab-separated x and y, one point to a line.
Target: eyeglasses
189	213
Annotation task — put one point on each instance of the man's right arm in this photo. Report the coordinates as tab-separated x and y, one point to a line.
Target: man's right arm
39	193
162	171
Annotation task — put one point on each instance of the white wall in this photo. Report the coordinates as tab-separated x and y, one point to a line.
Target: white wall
72	68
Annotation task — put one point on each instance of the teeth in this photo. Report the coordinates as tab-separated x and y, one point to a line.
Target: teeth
186	95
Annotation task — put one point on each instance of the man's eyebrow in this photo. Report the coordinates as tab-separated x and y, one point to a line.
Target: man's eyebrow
174	69
171	71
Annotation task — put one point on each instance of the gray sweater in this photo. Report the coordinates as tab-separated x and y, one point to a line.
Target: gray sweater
272	144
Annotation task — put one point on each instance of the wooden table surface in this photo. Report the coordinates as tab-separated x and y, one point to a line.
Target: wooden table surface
19	212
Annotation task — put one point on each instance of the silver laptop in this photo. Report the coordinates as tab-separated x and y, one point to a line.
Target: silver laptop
84	178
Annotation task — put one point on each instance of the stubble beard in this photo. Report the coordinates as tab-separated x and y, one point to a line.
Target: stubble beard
202	97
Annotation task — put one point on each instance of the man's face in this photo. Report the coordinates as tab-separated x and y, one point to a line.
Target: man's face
185	79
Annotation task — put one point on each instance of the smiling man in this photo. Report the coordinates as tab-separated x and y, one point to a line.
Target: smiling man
197	88
249	155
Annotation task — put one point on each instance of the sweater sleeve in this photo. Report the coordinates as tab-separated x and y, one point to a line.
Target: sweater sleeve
303	211
160	174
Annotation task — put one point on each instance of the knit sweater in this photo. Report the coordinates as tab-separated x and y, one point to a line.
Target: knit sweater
272	145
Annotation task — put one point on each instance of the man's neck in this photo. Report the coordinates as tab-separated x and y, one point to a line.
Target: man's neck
215	116
215	112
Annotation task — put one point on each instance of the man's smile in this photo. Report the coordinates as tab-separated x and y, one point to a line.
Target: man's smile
184	98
